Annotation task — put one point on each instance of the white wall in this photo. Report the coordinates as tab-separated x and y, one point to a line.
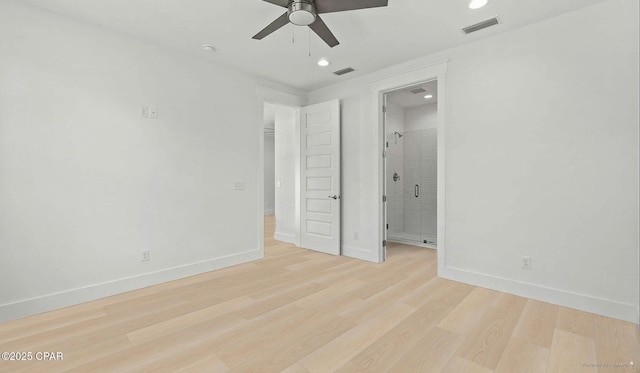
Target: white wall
541	159
86	184
269	173
286	158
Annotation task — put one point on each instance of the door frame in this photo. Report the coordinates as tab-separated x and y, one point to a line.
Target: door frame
270	95
379	88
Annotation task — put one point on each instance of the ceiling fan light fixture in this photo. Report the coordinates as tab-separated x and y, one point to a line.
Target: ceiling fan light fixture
477	4
302	13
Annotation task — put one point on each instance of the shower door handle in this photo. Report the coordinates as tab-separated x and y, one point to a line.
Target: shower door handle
416	190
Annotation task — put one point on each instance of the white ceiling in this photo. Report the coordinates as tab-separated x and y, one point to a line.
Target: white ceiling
370	39
404	98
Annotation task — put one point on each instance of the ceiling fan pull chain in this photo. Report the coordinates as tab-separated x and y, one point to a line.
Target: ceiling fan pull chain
309	42
293	34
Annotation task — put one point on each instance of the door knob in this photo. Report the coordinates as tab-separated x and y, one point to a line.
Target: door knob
334	196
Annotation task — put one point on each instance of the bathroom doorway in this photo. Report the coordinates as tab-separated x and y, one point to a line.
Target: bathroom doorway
411	165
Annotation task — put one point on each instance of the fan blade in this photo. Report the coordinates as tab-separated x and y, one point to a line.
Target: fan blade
321	29
282	3
273	26
330	6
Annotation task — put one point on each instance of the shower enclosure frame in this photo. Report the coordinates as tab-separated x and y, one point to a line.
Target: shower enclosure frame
379	89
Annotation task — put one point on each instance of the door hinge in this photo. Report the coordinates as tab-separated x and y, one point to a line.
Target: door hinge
387	226
384	198
387	144
384	108
384	154
384	243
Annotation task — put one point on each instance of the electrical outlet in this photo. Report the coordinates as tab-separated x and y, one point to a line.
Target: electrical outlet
240	185
144	111
153	113
145	256
526	262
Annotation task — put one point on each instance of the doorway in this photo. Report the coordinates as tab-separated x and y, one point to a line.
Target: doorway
436	72
411	169
300	175
280	176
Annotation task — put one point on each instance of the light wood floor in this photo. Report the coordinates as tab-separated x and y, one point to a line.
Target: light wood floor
301	311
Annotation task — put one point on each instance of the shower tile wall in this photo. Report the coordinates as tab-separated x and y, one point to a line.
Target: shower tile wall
395	189
395	160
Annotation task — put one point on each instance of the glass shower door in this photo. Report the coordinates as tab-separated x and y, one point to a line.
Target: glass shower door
429	185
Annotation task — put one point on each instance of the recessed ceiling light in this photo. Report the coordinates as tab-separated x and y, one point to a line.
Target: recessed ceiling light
428	96
323	62
208	48
477	4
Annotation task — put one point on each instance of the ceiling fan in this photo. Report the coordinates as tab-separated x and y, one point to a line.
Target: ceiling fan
307	13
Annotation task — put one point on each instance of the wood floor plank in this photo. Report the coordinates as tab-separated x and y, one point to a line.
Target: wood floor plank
210	364
572	352
151	332
575	321
382	297
459	365
450	292
460	320
293	294
77	357
394	345
295	368
537	323
332	356
350	367
616	344
486	342
319	330
431	353
523	357
330	293
53	320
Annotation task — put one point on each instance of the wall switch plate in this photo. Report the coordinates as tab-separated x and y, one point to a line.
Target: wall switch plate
526	262
240	185
278	184
153	113
145	255
144	111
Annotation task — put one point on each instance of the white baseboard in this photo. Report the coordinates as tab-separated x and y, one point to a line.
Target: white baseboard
564	298
285	237
67	298
357	253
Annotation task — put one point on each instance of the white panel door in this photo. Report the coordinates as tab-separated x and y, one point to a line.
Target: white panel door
320	177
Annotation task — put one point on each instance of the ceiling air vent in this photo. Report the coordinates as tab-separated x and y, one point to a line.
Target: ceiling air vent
343	71
417	90
481	25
